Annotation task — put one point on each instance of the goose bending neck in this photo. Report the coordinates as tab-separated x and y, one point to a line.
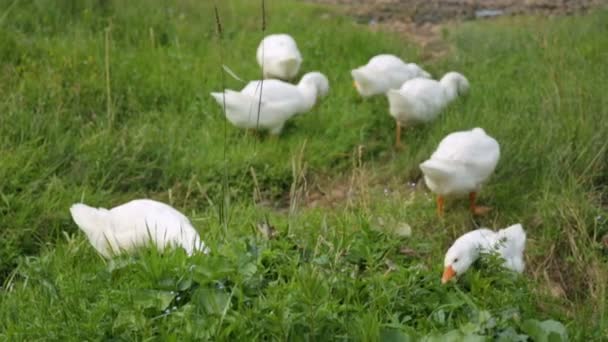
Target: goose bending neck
451	87
312	86
309	93
454	85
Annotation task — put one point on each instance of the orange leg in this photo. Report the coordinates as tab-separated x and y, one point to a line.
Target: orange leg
440	202
475	209
472	198
398	136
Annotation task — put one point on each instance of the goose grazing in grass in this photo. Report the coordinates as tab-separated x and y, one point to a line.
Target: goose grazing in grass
279	101
420	100
462	162
384	72
508	243
136	224
279	57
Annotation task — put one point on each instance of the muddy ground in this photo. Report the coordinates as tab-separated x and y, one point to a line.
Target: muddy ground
435	11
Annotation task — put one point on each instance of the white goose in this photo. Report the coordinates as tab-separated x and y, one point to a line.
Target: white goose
462	162
420	100
279	101
509	243
384	72
134	224
279	57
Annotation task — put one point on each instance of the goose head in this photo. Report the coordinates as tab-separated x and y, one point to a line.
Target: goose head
313	86
455	84
317	81
460	256
363	82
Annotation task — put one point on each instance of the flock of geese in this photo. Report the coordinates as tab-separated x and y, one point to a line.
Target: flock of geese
462	162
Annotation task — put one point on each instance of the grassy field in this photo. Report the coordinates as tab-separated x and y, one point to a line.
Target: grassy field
107	101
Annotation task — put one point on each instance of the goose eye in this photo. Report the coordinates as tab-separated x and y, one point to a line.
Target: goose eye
455	259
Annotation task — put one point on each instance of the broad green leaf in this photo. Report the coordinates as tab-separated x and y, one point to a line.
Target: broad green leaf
211	301
545	331
159	300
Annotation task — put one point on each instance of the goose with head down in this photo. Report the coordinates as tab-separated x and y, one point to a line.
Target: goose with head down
268	104
508	243
384	72
462	162
420	100
135	224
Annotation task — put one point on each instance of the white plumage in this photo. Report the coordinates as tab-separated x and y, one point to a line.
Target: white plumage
508	243
462	162
134	224
279	57
279	101
384	72
420	100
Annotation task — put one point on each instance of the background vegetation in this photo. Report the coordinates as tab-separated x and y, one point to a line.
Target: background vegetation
107	101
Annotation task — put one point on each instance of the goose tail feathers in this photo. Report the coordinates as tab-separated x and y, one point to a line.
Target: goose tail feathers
436	168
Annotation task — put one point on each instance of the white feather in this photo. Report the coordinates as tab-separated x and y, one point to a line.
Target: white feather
420	100
276	101
134	224
384	72
462	162
279	57
508	243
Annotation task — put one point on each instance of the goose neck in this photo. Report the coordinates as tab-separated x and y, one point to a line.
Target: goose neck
451	88
309	94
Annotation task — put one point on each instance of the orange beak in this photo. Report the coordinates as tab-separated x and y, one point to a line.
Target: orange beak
448	273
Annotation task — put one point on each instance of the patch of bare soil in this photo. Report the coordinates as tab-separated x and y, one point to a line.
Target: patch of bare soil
421	19
436	11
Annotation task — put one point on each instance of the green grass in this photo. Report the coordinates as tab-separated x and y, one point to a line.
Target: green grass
335	271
